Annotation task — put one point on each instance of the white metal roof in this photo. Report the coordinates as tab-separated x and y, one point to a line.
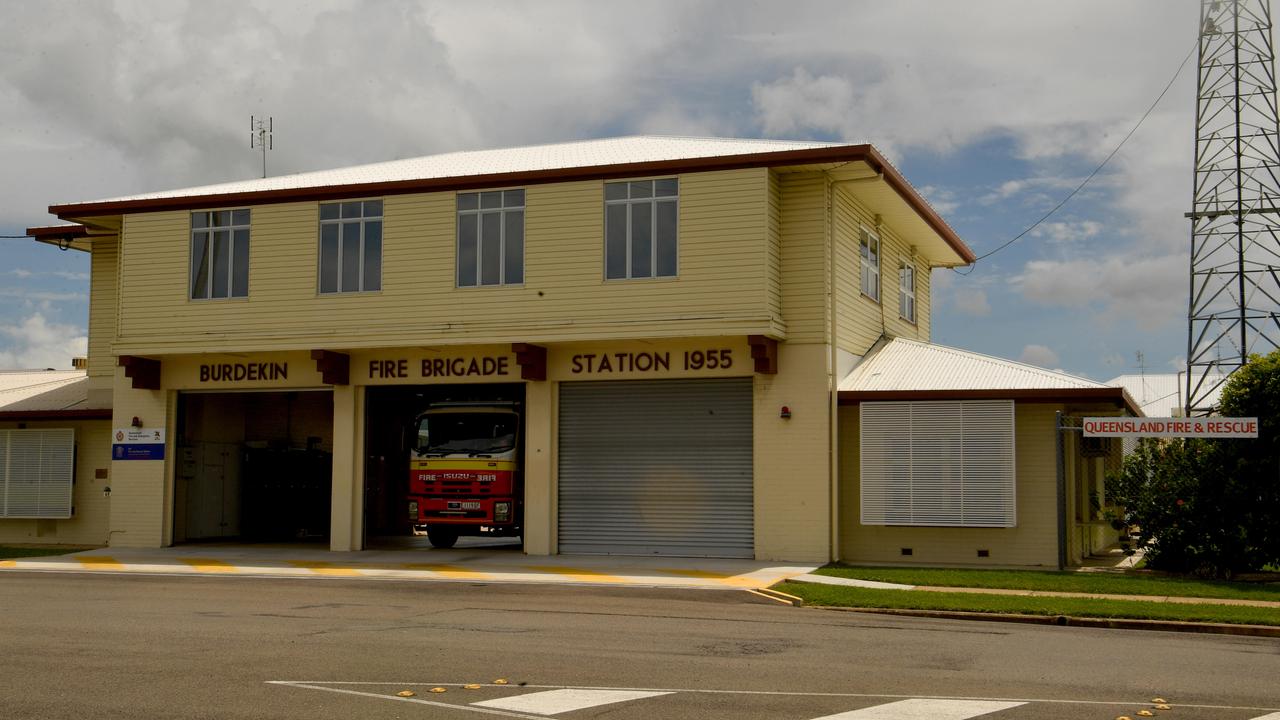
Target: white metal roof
900	364
1161	394
585	153
39	390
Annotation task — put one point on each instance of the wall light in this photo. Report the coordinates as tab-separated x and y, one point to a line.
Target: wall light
137	421
786	413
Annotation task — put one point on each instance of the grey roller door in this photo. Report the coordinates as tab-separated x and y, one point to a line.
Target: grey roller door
656	467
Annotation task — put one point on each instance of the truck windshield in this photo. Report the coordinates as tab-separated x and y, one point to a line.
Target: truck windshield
470	433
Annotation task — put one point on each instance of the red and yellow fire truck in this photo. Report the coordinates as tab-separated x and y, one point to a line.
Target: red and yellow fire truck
465	476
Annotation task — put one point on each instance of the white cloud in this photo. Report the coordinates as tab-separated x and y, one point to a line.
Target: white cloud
1039	355
1147	290
943	200
971	301
34	343
20	272
1068	232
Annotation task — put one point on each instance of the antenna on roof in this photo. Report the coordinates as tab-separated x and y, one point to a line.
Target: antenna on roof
260	138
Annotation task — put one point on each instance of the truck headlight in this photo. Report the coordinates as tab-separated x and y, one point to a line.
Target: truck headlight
413	510
502	511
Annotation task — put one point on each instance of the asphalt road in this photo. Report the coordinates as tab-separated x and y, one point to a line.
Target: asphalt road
95	646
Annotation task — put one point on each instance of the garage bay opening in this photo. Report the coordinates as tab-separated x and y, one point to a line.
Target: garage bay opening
254	466
444	466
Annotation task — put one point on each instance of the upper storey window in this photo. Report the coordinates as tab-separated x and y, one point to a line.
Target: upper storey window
907	290
219	254
491	238
351	246
640	228
869	249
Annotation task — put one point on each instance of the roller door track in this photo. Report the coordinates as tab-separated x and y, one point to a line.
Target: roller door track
656	467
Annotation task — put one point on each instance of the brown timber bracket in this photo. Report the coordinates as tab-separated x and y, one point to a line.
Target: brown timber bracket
144	372
764	351
532	360
334	367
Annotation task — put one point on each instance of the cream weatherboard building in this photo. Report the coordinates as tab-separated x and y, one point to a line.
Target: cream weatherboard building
693	328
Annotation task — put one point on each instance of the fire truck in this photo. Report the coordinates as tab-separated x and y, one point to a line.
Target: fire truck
465	475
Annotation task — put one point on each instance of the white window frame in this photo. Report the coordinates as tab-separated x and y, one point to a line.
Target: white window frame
907	290
208	231
938	463
869	248
47	453
339	222
632	204
480	212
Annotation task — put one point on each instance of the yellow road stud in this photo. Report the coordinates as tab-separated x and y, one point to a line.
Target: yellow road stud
1162	706
438	690
406	693
1123	717
472	686
1158	700
500	681
1145	713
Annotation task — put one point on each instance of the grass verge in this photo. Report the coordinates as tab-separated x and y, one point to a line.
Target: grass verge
10	552
1137	583
841	596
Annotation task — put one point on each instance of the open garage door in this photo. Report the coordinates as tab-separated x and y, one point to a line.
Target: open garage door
656	467
254	466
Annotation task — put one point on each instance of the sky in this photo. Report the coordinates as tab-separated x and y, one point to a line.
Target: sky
994	109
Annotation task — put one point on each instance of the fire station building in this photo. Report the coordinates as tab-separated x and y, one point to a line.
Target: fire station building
719	347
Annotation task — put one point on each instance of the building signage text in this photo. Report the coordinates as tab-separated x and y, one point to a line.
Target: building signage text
239	372
627	362
439	367
1205	427
137	444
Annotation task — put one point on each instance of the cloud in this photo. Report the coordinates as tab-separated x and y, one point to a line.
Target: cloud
1068	232
35	343
1147	290
20	272
971	301
1039	355
943	200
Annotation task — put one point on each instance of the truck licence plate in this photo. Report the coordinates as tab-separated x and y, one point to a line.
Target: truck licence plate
470	506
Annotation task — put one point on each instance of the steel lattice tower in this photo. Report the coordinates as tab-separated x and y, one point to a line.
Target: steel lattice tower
1235	220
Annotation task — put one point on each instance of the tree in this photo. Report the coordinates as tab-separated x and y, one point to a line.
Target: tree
1212	507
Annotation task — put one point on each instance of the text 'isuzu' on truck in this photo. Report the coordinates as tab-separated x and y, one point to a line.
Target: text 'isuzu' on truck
465	473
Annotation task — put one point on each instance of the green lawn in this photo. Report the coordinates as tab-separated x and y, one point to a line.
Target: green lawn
8	552
1137	583
843	596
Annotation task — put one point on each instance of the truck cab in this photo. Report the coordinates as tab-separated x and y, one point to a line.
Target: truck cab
465	471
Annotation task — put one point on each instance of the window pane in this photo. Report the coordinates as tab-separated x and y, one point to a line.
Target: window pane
467	250
199	220
222	218
615	244
513	252
329	257
329	212
491	200
200	264
240	217
350	210
349	280
240	264
668	187
490	248
513	198
641	189
372	254
468	201
615	191
373	208
641	240
666	239
221	263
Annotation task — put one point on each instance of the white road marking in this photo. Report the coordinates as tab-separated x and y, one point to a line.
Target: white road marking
554	702
922	709
416	701
1269	716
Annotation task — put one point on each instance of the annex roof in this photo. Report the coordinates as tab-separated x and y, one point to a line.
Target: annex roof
586	159
902	369
36	394
1162	394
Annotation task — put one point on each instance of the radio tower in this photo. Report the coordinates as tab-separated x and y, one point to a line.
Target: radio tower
1235	218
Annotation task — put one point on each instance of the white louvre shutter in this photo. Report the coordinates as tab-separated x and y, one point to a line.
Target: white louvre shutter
940	464
36	473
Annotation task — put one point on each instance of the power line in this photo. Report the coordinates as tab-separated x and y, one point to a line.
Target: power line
1096	170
